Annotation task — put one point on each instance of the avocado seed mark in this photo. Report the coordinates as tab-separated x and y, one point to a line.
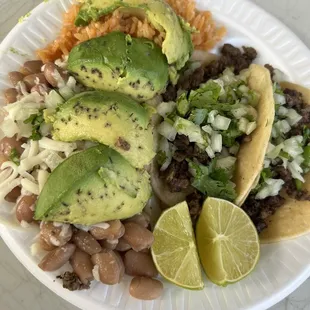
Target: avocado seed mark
77	105
140	96
89	193
89	116
96	71
79	192
83	68
123	144
76	123
101	197
65	204
107	125
87	77
140	147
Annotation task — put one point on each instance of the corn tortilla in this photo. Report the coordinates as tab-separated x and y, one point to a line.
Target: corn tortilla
293	218
251	155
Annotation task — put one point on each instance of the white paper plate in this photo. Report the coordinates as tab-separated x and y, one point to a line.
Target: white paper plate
282	267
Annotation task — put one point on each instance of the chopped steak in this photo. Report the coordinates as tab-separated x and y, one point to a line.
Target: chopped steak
72	282
195	201
230	57
177	176
259	210
293	99
170	94
271	70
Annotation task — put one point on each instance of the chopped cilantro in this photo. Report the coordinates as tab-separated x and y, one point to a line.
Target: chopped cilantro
36	120
161	157
212	181
14	157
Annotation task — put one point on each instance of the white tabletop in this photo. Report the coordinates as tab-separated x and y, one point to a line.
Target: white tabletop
19	290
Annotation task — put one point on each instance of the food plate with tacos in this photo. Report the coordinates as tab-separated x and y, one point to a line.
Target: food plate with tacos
155	154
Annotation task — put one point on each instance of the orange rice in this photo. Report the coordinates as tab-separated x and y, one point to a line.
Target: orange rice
70	35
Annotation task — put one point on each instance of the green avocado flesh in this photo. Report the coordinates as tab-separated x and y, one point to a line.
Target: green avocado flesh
109	118
177	45
93	186
118	62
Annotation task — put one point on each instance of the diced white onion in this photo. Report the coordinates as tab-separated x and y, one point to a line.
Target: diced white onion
167	130
250	127
216	142
244	88
274	151
210	152
282	126
243	124
279	99
207	128
267	163
293	117
279	76
211	116
226	162
293	146
271	188
282	111
165	108
221	122
296	170
234	149
240	112
189	129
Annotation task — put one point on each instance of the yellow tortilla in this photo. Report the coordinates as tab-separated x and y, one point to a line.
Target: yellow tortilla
251	155
293	218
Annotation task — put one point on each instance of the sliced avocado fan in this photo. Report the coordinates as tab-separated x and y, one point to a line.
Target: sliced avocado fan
109	118
117	62
93	186
177	45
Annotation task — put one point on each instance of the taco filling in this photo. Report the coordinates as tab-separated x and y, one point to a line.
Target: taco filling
201	134
287	160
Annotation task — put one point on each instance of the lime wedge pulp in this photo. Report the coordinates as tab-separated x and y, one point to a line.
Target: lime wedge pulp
174	250
227	241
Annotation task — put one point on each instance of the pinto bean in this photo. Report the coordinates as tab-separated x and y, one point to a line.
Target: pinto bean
139	264
46	246
25	208
16	77
109	244
142	219
42	89
111	267
122	245
10	95
55	75
13	195
8	144
137	236
115	231
145	288
86	242
31	67
82	266
34	79
57	258
56	234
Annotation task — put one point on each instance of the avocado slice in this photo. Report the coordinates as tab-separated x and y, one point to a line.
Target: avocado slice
177	45
109	118
93	186
118	62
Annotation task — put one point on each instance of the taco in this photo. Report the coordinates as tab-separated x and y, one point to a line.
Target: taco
208	135
279	205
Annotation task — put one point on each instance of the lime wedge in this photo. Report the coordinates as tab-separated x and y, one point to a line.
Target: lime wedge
174	250
227	241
